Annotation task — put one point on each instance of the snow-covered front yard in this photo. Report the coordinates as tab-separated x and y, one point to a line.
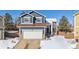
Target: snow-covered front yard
58	42
9	43
55	42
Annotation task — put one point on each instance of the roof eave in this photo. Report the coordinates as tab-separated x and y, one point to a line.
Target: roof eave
38	13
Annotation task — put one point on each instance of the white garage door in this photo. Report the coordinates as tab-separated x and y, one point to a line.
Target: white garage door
32	34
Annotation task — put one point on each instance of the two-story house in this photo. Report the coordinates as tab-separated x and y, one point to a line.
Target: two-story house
2	27
32	25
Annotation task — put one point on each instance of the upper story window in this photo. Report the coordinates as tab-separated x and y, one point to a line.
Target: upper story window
38	19
26	20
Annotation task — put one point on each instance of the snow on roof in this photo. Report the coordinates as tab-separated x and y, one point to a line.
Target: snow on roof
50	20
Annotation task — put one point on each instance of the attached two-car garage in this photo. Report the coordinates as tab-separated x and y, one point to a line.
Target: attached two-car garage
32	33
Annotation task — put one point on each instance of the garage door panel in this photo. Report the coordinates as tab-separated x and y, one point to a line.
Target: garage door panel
32	34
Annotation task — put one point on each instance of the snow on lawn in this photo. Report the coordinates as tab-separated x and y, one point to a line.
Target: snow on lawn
9	43
57	42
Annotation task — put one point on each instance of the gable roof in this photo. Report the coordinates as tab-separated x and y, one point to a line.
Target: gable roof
36	14
76	14
32	14
26	14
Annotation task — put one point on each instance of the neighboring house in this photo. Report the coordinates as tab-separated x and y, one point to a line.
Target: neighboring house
32	26
52	25
2	27
76	25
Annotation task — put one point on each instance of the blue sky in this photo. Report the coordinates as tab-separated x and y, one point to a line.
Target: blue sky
48	13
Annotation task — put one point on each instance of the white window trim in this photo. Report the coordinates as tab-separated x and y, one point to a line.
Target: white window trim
40	19
26	22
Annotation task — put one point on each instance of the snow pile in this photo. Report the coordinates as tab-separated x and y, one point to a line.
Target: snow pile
57	42
9	43
72	42
50	20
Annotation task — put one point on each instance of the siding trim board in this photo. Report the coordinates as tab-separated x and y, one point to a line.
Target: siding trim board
33	28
